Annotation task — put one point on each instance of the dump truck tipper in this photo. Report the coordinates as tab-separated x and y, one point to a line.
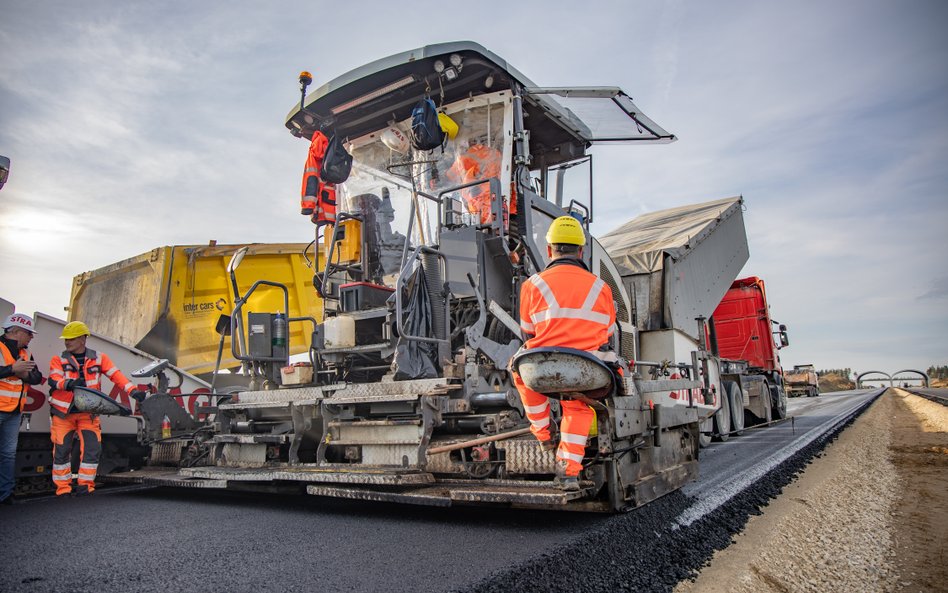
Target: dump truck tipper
167	301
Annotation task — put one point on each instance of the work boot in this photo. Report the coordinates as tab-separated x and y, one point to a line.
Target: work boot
554	441
567	483
564	482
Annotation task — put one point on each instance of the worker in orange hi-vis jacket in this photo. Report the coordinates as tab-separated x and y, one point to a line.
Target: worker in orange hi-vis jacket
17	371
79	366
478	161
564	305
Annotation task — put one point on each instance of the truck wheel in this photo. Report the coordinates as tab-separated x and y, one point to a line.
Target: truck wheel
768	402
736	400
704	432
722	419
779	398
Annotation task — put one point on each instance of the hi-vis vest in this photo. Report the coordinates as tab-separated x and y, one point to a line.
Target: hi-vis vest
565	305
12	387
65	367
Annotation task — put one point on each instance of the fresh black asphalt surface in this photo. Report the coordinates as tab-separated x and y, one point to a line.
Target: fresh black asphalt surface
936	394
205	540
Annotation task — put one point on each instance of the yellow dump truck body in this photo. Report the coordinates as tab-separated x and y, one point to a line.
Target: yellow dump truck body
167	301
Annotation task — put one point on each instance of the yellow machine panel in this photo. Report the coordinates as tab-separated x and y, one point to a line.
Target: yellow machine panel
348	248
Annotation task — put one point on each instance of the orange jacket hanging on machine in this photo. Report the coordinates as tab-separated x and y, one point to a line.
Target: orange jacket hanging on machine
12	387
64	367
566	305
317	199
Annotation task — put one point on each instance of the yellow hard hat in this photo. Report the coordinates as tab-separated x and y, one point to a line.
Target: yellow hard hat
566	229
448	126
74	329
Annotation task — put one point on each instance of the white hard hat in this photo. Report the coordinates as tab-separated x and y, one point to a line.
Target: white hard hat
18	320
395	139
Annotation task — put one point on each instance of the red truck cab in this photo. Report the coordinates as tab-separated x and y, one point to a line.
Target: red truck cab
744	328
744	335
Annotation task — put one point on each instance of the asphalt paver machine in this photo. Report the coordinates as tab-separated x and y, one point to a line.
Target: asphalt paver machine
410	398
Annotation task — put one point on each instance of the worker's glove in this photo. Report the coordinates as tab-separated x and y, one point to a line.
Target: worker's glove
73	383
139	395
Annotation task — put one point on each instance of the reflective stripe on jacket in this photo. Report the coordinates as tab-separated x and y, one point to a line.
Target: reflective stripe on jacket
326	204
65	367
12	387
565	305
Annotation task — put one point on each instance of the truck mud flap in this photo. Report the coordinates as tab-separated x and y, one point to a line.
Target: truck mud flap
508	493
344	475
162	477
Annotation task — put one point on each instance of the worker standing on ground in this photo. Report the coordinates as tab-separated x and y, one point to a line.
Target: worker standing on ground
79	366
564	305
17	370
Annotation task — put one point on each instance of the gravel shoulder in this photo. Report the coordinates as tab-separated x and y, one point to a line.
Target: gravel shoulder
869	514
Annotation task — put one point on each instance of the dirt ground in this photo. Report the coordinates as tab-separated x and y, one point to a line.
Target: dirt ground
920	452
835	382
871	514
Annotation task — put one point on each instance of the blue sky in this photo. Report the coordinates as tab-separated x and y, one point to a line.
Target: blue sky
136	125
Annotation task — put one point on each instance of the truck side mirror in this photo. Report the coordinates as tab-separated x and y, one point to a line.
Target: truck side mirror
784	340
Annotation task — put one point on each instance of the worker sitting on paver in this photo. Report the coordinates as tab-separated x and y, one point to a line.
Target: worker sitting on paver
564	305
79	366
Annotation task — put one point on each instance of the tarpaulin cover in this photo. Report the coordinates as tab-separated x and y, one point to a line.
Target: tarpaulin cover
638	247
414	359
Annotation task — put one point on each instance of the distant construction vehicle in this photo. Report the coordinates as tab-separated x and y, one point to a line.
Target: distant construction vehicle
802	381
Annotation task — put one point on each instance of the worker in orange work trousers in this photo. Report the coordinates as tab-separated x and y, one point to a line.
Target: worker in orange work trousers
565	305
79	366
17	370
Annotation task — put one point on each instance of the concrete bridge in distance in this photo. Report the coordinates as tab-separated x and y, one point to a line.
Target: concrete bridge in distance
894	377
